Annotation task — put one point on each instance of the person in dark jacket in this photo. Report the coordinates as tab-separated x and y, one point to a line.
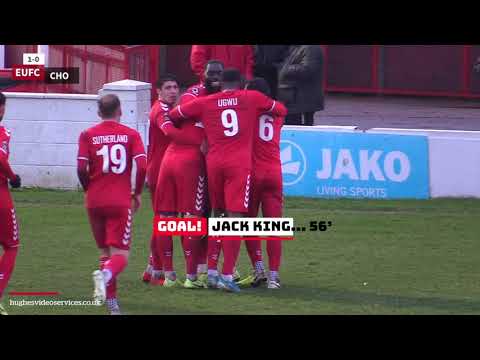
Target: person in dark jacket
301	84
268	61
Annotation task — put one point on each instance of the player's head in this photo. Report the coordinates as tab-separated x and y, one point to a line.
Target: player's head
259	84
109	107
213	76
3	101
231	79
167	89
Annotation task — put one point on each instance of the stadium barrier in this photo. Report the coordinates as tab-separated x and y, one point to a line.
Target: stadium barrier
442	163
350	164
45	129
454	160
319	161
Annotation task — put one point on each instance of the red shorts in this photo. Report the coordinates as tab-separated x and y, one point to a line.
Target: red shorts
9	236
181	186
111	226
229	188
267	191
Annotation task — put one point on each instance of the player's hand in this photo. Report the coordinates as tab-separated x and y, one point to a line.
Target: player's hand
16	183
136	202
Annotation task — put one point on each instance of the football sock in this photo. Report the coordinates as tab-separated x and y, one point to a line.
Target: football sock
155	255
157	274
274	251
7	264
214	249
231	250
164	246
227	277
112	284
273	275
190	250
171	275
212	272
202	268
202	254
114	266
259	266
254	249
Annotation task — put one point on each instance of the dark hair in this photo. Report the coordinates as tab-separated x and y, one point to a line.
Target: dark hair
214	62
259	84
108	105
164	78
231	75
3	99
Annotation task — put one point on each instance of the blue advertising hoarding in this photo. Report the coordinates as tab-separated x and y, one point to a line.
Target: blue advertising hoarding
354	165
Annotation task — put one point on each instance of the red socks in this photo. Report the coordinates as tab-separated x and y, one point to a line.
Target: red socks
7	263
202	250
254	249
155	255
231	250
112	284
115	264
214	249
191	246
274	251
164	247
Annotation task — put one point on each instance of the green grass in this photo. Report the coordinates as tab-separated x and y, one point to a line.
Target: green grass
416	257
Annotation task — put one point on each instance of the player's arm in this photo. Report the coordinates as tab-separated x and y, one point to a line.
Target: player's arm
82	161
140	157
6	170
198	59
138	154
186	98
179	136
265	104
192	109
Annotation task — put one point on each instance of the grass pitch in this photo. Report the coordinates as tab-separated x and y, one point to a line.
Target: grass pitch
379	257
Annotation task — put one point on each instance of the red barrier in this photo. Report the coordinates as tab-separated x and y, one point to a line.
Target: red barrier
414	70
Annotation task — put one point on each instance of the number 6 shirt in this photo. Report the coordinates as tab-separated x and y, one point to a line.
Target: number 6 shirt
110	149
229	120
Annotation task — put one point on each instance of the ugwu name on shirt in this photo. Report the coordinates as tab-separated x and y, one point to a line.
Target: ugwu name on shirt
108	139
227	102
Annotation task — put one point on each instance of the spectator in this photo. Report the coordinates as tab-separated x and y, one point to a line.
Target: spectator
301	84
232	56
268	61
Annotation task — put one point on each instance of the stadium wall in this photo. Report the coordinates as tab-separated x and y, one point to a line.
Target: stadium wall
45	129
454	161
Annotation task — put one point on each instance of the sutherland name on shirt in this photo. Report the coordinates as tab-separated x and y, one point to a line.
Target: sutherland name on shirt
108	139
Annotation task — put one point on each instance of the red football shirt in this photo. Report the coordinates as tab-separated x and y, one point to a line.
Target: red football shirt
157	141
110	149
5	197
266	146
192	93
229	119
190	132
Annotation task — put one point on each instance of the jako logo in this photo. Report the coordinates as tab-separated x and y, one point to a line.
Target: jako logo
366	164
294	162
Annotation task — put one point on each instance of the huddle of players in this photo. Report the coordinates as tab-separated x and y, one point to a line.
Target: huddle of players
242	129
241	167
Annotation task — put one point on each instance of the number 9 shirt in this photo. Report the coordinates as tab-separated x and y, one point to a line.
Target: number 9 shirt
229	119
